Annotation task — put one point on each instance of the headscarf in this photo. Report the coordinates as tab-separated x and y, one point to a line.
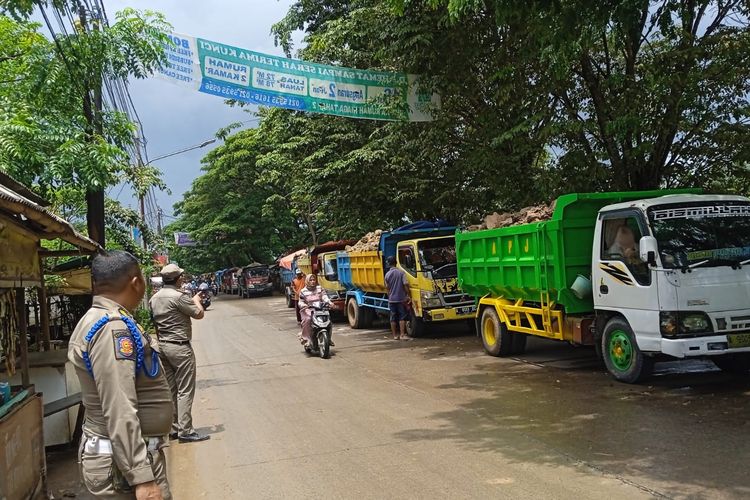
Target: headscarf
308	282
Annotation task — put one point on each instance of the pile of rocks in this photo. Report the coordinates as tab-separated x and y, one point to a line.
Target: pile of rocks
526	215
368	243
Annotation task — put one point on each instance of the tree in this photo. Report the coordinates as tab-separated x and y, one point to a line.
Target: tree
53	132
642	93
225	211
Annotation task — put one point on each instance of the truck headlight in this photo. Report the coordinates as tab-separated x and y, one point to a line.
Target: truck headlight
684	323
431	300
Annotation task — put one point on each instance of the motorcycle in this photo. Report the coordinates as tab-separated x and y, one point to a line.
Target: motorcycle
205	295
205	299
322	329
214	289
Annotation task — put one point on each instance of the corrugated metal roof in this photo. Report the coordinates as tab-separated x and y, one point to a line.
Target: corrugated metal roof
38	219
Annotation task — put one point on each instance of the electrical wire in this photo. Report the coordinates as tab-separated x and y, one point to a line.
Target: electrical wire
115	92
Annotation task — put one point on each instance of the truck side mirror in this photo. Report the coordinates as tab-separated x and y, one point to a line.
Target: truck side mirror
648	249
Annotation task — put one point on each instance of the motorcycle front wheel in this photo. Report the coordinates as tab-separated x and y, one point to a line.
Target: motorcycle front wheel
324	344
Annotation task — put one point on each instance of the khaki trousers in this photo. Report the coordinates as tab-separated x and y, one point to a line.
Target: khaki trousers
96	472
178	361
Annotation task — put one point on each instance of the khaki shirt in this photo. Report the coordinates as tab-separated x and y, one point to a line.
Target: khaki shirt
121	405
172	310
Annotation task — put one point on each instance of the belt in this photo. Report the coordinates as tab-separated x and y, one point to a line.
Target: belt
96	445
178	342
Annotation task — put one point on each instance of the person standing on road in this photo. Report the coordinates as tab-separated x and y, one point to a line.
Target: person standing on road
123	388
398	299
172	311
298	283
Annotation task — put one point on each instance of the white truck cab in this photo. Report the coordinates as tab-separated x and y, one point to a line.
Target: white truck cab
671	275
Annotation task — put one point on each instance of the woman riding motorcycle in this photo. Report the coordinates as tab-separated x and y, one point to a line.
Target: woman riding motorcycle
310	294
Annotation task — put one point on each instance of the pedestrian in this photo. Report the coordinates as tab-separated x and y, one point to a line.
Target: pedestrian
398	299
123	388
298	283
172	311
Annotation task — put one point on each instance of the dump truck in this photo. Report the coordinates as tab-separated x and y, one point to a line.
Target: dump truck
321	261
640	275
254	279
426	252
229	281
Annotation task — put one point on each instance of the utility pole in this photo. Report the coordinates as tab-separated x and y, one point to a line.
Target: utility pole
92	110
160	214
141	193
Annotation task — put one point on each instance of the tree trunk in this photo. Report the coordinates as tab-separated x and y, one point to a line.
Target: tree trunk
92	109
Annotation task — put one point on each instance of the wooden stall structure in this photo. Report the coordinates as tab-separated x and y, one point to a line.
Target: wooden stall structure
24	223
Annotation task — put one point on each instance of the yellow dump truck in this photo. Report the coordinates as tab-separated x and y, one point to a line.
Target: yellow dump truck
426	252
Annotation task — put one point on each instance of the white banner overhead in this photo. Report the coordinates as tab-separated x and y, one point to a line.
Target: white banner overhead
244	75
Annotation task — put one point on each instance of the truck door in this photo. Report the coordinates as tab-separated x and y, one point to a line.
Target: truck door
407	261
620	280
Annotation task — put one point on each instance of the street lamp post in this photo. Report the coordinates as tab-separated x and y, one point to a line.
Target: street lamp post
141	199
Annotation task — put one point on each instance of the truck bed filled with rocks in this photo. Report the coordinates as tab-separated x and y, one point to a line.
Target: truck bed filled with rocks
368	243
526	215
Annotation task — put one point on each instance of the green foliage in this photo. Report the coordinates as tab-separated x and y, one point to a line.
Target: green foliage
47	89
641	93
225	211
538	98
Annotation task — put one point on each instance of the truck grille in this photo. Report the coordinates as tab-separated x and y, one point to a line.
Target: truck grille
458	299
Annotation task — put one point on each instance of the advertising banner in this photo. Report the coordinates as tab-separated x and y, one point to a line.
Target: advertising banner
184	240
244	75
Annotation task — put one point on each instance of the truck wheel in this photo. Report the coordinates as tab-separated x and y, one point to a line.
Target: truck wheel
496	338
356	315
368	317
738	363
519	342
624	361
415	327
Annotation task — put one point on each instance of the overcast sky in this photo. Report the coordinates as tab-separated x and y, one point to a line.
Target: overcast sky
175	118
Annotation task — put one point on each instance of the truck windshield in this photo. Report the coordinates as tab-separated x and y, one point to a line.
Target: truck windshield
712	234
257	272
440	254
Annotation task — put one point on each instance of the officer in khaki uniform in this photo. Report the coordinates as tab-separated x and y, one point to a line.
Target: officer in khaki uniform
123	387
173	311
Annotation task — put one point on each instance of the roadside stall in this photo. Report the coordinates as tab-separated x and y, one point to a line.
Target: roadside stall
31	383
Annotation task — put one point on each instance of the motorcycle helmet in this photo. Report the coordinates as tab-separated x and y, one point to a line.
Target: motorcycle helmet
203	286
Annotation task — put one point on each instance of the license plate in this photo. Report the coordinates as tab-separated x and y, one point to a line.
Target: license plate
738	340
467	310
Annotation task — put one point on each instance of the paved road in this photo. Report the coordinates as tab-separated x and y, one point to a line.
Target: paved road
436	418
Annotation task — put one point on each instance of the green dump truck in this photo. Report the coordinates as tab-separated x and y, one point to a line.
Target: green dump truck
637	274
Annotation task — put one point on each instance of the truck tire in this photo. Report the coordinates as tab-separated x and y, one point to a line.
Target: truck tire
519	342
622	357
738	364
368	317
356	315
496	338
416	327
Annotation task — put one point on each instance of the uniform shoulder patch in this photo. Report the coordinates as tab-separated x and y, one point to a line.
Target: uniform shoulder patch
124	344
